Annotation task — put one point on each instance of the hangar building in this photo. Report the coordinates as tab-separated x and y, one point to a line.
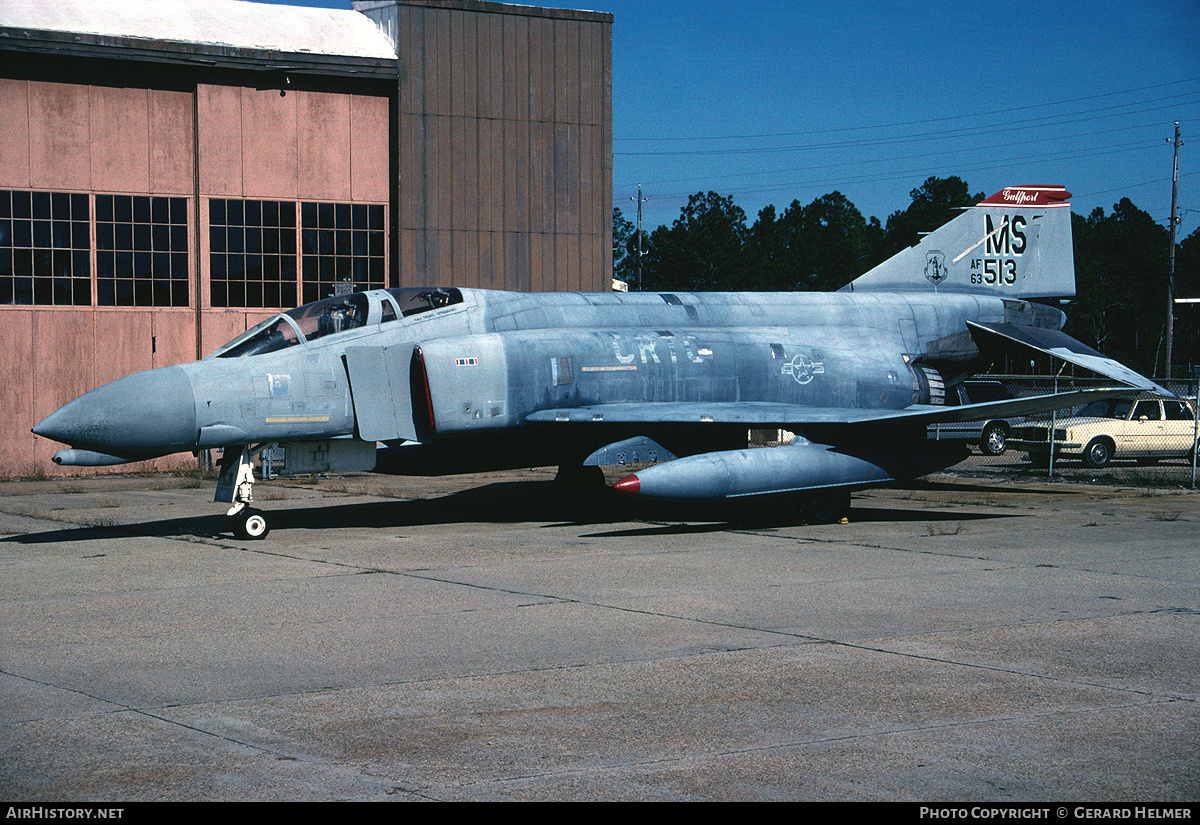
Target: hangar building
173	171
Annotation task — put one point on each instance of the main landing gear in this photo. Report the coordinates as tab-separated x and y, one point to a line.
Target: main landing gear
828	507
236	487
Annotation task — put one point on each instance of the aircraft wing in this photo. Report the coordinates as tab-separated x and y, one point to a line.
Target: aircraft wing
788	416
749	413
1060	345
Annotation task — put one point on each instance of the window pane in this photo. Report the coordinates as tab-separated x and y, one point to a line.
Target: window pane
122	208
344	248
41	205
22	204
150	264
253	260
45	240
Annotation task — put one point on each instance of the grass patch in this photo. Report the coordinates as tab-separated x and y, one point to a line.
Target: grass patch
945	529
1165	515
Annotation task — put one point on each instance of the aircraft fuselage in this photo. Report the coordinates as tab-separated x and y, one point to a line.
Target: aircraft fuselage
488	360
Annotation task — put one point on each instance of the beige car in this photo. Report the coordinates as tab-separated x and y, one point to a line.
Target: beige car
1147	428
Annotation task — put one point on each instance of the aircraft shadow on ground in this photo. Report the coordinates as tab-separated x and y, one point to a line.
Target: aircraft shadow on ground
500	503
713	523
965	487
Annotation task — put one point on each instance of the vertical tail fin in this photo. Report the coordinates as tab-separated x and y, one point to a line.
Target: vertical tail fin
1017	243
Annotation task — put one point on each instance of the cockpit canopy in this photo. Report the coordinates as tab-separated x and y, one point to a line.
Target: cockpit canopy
341	313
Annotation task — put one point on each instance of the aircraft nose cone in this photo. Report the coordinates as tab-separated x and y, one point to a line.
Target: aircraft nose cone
142	415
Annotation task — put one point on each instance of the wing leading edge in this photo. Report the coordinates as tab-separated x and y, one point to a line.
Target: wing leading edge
767	414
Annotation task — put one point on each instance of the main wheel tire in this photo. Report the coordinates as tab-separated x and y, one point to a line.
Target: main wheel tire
577	480
994	440
251	525
1097	453
827	508
581	490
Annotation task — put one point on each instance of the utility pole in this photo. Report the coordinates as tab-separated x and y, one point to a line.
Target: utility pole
638	262
1171	257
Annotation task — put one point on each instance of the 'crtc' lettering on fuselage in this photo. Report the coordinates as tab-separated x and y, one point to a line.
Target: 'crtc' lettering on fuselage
646	349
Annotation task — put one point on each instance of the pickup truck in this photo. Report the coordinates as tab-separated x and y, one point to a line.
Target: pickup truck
991	435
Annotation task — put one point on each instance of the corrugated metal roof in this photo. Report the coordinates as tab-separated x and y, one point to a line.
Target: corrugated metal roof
227	23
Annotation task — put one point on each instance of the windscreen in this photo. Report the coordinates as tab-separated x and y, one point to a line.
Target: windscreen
316	320
417	299
329	316
271	335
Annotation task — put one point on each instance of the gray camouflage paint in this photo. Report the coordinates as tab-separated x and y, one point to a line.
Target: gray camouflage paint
484	378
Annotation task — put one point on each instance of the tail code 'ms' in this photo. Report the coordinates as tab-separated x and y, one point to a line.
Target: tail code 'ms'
1017	243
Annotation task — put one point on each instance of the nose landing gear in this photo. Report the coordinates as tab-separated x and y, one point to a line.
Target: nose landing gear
236	486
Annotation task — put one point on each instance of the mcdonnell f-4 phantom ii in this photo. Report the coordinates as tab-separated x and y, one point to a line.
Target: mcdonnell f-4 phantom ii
449	380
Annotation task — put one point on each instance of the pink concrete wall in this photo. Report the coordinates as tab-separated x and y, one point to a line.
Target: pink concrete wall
79	138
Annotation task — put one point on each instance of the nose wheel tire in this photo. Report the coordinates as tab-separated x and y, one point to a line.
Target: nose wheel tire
251	524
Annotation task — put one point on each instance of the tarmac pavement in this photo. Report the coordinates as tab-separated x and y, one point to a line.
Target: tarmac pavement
470	638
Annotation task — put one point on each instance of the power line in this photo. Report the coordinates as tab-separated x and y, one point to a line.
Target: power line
924	120
1127	186
966	131
993	163
894	174
941	153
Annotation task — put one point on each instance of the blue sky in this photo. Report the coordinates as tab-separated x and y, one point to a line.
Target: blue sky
772	102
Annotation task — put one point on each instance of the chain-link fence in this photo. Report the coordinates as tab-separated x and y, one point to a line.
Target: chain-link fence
1138	438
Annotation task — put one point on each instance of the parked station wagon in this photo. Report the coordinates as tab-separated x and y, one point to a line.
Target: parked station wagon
1147	428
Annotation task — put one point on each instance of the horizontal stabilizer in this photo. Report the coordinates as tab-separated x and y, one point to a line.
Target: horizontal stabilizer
1008	408
1060	345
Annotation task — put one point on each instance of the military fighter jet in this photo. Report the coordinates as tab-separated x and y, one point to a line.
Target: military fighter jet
448	380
